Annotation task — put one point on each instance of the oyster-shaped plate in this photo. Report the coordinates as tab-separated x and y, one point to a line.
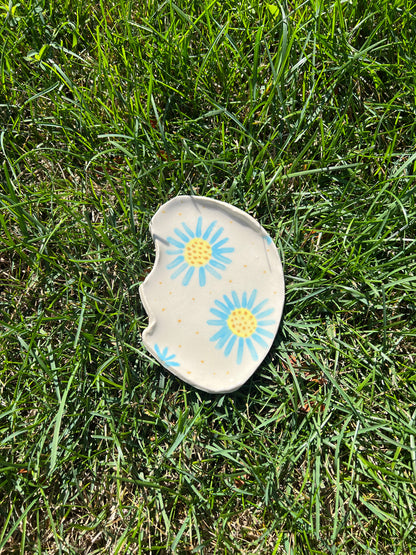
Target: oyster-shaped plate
215	295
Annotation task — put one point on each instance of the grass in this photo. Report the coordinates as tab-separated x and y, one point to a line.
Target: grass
303	115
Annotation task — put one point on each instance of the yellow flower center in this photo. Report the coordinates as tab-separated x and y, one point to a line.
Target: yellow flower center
242	322
197	252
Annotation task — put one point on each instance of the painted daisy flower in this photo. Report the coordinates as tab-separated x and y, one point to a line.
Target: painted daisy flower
164	357
242	323
198	251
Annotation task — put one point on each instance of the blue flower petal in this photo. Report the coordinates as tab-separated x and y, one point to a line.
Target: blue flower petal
263	323
176	243
198	230
252	350
219	334
179	270
240	350
217	265
236	300
216	235
212	271
216	312
215	322
265	313
167	360
188	230
221	258
209	229
188	275
202	276
175	263
173	364
222	306
259	340
252	299
226	336
259	307
181	235
228	303
220	243
265	333
230	345
222	251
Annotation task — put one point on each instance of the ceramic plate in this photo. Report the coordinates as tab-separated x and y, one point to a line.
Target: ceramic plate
215	294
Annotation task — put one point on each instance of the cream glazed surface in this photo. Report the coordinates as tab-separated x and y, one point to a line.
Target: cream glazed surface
215	295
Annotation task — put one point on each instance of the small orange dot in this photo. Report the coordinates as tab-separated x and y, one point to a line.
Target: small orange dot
170	292
202	361
231	280
179	213
160	282
179	321
180	346
245	265
189	372
265	272
163	309
227	373
197	332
